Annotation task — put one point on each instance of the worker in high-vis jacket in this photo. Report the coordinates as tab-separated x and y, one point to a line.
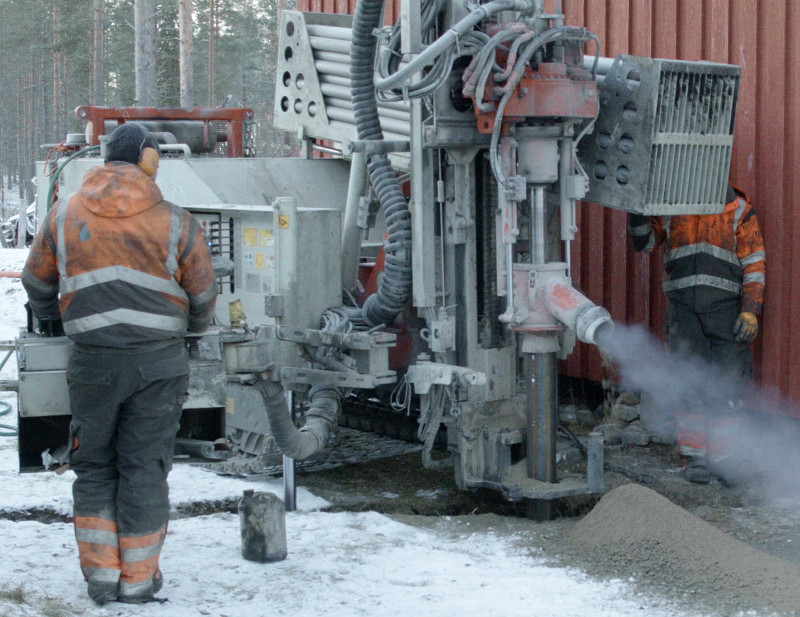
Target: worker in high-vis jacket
125	275
715	266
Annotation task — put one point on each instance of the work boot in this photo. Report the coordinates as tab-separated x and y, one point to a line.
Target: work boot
146	595
697	472
102	592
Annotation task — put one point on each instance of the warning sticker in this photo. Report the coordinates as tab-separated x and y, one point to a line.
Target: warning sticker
250	236
283	221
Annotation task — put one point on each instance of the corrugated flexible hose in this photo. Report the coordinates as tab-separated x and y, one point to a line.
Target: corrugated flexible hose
383	306
321	417
7	430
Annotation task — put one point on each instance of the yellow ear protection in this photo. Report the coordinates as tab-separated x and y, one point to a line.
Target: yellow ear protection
148	160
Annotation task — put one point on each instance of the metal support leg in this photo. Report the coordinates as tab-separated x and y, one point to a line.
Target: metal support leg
351	233
289	485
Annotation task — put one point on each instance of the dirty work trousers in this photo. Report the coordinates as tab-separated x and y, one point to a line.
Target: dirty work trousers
125	414
706	422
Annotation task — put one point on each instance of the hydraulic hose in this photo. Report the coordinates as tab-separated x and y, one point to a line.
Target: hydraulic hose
7	430
383	306
321	417
54	179
430	432
449	38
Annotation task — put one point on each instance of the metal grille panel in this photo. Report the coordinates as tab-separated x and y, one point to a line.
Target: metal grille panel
662	143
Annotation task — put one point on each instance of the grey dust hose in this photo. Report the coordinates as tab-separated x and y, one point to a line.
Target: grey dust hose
321	417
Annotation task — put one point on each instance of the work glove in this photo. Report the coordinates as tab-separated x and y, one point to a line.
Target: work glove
746	327
51	327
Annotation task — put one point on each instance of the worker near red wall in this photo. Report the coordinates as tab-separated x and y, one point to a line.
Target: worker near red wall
124	274
715	267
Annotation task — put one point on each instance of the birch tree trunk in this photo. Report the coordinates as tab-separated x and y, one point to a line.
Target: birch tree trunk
145	53
98	89
185	43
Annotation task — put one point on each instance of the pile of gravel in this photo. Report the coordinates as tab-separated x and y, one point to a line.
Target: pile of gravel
636	532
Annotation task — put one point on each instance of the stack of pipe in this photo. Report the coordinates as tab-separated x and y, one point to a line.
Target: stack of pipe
331	48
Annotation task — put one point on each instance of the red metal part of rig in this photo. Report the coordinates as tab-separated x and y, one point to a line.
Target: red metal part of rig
204	135
558	87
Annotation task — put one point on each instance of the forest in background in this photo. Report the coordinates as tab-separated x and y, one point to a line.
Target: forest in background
56	55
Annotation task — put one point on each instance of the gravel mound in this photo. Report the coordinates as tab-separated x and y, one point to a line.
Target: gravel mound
635	531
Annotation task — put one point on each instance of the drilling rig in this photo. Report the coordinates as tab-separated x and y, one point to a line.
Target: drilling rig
417	254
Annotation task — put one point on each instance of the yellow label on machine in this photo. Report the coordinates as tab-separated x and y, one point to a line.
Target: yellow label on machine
250	236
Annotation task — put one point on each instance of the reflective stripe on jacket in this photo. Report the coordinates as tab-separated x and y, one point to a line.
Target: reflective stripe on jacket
130	268
720	255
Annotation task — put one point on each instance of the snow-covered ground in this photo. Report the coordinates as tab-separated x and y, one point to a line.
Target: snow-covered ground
343	564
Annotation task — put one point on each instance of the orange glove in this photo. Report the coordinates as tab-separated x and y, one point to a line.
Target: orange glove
746	327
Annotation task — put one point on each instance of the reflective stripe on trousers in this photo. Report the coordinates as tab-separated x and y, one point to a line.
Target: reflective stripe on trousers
98	548
692	440
714	437
140	562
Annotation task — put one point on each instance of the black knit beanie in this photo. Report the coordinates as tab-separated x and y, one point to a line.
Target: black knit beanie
127	141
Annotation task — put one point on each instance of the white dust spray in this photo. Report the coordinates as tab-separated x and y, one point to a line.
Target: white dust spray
754	436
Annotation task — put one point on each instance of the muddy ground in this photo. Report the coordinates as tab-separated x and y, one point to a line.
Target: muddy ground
401	487
669	549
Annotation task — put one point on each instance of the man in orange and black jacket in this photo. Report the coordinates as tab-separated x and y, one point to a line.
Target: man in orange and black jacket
715	267
124	274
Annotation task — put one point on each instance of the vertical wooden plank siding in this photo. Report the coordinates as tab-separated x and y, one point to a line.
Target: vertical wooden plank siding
639	270
772	69
764	39
791	205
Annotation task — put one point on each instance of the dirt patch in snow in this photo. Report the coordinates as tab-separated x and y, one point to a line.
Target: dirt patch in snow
707	547
401	485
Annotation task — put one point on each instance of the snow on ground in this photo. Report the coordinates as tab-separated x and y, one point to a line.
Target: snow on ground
342	564
12	301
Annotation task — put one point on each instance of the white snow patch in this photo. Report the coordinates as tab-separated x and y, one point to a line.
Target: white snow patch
339	565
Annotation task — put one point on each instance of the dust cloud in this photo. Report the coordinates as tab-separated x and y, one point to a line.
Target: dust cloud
753	434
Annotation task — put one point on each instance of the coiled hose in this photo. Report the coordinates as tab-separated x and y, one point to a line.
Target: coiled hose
7	430
321	417
384	305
